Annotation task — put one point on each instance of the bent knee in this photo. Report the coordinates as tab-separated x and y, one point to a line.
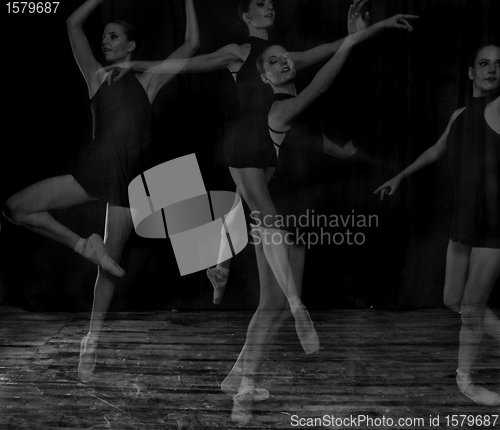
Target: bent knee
11	210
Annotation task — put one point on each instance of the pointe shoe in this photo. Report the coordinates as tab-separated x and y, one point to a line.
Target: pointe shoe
478	394
249	395
95	251
305	330
231	385
219	281
88	358
240	414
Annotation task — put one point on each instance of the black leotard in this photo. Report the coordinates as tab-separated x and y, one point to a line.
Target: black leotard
120	144
474	160
247	141
296	187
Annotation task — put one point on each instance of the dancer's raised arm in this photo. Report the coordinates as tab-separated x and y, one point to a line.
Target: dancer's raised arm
80	45
233	56
429	156
356	23
154	81
283	113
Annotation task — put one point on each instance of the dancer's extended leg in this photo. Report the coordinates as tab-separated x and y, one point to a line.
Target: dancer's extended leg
252	183
483	273
241	380
457	271
273	309
271	312
29	208
117	231
219	274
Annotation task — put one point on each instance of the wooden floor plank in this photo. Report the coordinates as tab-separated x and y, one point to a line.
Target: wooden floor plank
162	370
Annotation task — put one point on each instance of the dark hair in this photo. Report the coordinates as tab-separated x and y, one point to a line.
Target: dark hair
475	51
241	25
133	34
243	7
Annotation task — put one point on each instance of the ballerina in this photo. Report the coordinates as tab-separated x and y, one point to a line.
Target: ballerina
281	261
473	255
248	131
118	153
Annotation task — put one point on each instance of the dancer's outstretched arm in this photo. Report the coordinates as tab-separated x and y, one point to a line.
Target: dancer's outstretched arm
356	23
427	157
154	81
231	57
283	113
86	61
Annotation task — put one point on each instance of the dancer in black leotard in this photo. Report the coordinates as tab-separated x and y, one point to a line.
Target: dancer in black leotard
473	255
121	114
247	140
120	143
280	260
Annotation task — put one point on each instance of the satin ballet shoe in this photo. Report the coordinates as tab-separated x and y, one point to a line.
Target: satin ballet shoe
95	251
88	358
305	329
231	385
219	281
247	396
478	394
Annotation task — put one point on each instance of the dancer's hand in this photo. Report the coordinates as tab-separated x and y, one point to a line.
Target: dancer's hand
116	71
350	148
356	21
389	187
399	21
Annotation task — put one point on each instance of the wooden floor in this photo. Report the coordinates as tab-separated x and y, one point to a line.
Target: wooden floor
162	370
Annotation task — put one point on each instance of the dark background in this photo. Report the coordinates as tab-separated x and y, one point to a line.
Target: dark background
394	97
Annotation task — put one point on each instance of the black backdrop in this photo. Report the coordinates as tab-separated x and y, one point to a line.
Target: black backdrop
394	98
